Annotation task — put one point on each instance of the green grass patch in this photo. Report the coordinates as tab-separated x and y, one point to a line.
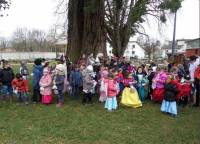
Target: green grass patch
92	124
78	124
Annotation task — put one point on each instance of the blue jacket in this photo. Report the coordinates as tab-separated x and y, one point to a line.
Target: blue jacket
76	78
37	74
59	81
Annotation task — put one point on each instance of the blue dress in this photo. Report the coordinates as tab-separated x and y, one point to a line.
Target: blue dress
111	103
169	107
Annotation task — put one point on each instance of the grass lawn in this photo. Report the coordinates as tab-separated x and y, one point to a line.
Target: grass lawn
78	124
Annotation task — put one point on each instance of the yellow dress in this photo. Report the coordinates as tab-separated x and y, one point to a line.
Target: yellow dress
131	98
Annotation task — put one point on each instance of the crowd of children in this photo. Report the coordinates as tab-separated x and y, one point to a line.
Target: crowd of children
114	82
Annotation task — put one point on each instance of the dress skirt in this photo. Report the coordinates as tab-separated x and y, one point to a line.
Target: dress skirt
169	107
184	90
103	92
46	99
158	94
111	103
130	98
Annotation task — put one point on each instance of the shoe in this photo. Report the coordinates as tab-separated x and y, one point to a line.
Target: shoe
59	105
34	102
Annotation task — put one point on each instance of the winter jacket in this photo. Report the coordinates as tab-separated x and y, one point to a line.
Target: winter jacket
20	85
76	78
59	81
37	74
119	78
104	74
46	83
171	91
112	88
24	71
88	81
181	73
6	76
160	79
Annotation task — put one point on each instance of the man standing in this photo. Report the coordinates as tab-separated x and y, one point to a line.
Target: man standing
197	84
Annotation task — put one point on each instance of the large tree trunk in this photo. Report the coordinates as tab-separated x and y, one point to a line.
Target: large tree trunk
75	28
120	41
85	28
94	39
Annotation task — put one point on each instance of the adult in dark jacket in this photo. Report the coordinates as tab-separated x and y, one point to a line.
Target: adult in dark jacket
6	77
37	74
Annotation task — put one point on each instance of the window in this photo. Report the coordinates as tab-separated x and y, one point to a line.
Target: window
133	52
133	46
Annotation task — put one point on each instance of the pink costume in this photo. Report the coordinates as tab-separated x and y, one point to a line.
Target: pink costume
158	85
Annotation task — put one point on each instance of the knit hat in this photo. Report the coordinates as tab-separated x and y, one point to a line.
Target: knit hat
90	68
61	68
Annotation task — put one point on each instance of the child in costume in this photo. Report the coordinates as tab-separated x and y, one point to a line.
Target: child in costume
23	70
158	85
37	74
141	82
6	77
169	101
111	101
58	86
76	82
119	79
130	95
20	88
88	85
103	84
46	86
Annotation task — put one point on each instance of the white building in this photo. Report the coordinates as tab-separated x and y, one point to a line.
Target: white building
180	47
133	50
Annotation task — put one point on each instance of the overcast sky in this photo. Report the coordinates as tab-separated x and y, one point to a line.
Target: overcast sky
40	14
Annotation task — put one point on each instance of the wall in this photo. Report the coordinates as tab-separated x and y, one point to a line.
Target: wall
27	55
134	50
138	51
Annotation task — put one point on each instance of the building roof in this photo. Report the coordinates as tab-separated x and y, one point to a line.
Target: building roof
194	43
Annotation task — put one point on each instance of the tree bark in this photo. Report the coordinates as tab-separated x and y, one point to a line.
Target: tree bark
75	28
86	33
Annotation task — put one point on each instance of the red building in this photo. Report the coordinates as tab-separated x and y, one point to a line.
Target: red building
193	47
184	48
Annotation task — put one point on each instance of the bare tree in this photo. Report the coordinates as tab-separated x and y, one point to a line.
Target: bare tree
19	39
31	40
151	46
4	43
4	4
124	18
